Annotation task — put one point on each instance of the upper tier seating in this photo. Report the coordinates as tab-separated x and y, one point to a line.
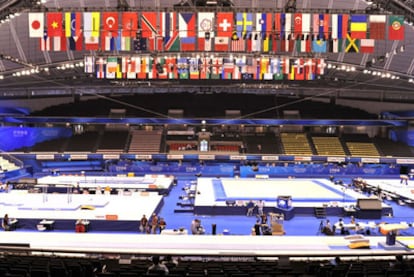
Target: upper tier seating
113	141
328	145
86	142
296	144
390	148
360	145
143	141
265	143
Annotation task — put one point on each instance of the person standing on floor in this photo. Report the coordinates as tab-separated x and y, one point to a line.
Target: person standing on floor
143	224
260	207
154	223
250	208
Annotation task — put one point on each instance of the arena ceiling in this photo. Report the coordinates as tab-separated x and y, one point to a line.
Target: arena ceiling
349	73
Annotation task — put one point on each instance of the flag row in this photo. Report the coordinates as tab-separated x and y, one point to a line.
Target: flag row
146	67
211	31
191	44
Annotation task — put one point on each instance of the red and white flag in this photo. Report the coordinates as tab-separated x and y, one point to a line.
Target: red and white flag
36	25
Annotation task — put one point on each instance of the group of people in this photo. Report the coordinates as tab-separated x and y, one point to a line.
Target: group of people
153	225
343	228
252	205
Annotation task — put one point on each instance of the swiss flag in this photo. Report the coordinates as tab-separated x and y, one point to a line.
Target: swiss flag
224	24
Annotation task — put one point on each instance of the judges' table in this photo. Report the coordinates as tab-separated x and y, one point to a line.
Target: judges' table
174	232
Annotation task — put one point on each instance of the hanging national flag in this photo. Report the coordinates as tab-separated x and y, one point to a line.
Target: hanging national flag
170	31
287	25
255	42
228	68
100	68
76	43
216	68
237	43
358	26
172	68
279	30
182	65
319	46
108	42
187	25
143	67
73	23
36	25
297	24
91	24
124	66
352	44
236	74
60	43
310	69
205	70
129	24
343	25
292	71
221	44
150	68
124	43
339	32
194	68
110	24
91	43
335	45
159	68
367	45
287	41
244	24
89	64
377	26
205	44
267	43
224	22
264	24
149	24
111	67
285	65
320	66
303	44
265	69
118	72
206	25
155	43
306	25
299	68
205	31
187	43
45	42
321	26
241	64
132	68
276	69
140	44
54	24
396	27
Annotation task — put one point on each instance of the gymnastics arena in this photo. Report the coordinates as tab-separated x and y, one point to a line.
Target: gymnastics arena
238	137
